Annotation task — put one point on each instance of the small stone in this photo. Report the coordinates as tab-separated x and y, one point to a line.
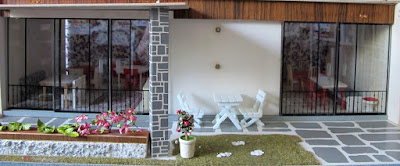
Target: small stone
226	154
238	143
257	153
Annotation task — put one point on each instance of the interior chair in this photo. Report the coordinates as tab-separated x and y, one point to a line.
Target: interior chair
254	113
290	79
196	112
78	92
131	78
313	94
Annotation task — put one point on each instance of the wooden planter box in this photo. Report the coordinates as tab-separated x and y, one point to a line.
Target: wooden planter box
110	145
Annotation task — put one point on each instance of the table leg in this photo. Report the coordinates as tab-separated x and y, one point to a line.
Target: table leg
343	104
44	94
65	98
324	98
235	121
216	126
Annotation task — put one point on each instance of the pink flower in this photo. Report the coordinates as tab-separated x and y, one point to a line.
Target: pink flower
96	131
139	130
106	124
186	123
117	119
179	111
105	114
113	113
129	112
124	128
78	119
87	125
85	132
133	118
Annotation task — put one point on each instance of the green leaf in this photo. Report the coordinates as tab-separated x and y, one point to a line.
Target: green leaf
73	134
39	123
94	122
101	131
2	128
14	126
119	125
133	130
61	129
26	126
69	130
19	128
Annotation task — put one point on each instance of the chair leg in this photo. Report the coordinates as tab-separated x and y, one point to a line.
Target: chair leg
259	123
251	122
244	120
197	120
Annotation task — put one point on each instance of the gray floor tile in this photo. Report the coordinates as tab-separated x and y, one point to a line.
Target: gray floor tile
275	125
395	155
375	124
322	142
339	124
313	134
345	130
387	145
229	127
203	129
361	158
9	119
380	137
330	155
34	120
383	158
383	130
359	150
350	140
276	130
306	125
58	122
252	128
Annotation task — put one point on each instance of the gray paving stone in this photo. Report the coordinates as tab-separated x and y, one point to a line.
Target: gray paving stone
383	158
359	150
380	137
313	134
322	142
275	125
395	155
345	130
203	129
361	158
306	125
350	140
252	128
339	124
383	130
10	119
375	124
276	130
58	122
34	120
328	153
387	145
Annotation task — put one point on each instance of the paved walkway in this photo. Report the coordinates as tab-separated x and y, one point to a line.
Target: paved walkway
333	142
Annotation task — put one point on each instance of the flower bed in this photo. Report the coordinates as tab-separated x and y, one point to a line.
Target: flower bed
79	139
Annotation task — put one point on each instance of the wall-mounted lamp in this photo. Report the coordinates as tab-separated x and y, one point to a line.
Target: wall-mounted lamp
217	29
217	66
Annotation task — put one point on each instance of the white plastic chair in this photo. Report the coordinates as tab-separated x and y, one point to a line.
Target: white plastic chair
78	92
196	112
254	113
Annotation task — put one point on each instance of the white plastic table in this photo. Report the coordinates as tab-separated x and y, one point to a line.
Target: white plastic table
227	104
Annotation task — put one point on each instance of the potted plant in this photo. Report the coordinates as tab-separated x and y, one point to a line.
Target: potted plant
186	142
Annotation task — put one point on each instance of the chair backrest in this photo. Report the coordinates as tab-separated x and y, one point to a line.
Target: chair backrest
260	100
182	101
80	82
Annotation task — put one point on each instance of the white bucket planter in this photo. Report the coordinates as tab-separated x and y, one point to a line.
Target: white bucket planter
187	148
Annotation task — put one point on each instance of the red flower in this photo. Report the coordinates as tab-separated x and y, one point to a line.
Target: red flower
186	123
129	112
179	130
179	111
124	128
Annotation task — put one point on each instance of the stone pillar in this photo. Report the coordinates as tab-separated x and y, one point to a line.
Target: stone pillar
158	50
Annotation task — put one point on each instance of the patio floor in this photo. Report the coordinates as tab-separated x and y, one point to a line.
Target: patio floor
334	141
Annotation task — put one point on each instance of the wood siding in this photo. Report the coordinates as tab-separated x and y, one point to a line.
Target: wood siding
263	10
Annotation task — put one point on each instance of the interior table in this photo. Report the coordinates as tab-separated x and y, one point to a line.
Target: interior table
326	82
227	104
66	81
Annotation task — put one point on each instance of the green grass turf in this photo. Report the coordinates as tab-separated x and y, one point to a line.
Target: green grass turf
278	150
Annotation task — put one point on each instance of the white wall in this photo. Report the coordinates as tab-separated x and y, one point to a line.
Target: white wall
393	110
3	66
249	54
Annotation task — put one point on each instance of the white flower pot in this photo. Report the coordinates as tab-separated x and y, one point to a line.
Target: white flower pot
187	148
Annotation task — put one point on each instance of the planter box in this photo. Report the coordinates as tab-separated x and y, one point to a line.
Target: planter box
111	145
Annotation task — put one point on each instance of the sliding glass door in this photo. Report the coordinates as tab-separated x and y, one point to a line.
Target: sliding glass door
78	65
330	69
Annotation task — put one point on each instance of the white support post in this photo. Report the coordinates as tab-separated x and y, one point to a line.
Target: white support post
3	65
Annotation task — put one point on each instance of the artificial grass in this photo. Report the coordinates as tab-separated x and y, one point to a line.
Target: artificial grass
278	150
